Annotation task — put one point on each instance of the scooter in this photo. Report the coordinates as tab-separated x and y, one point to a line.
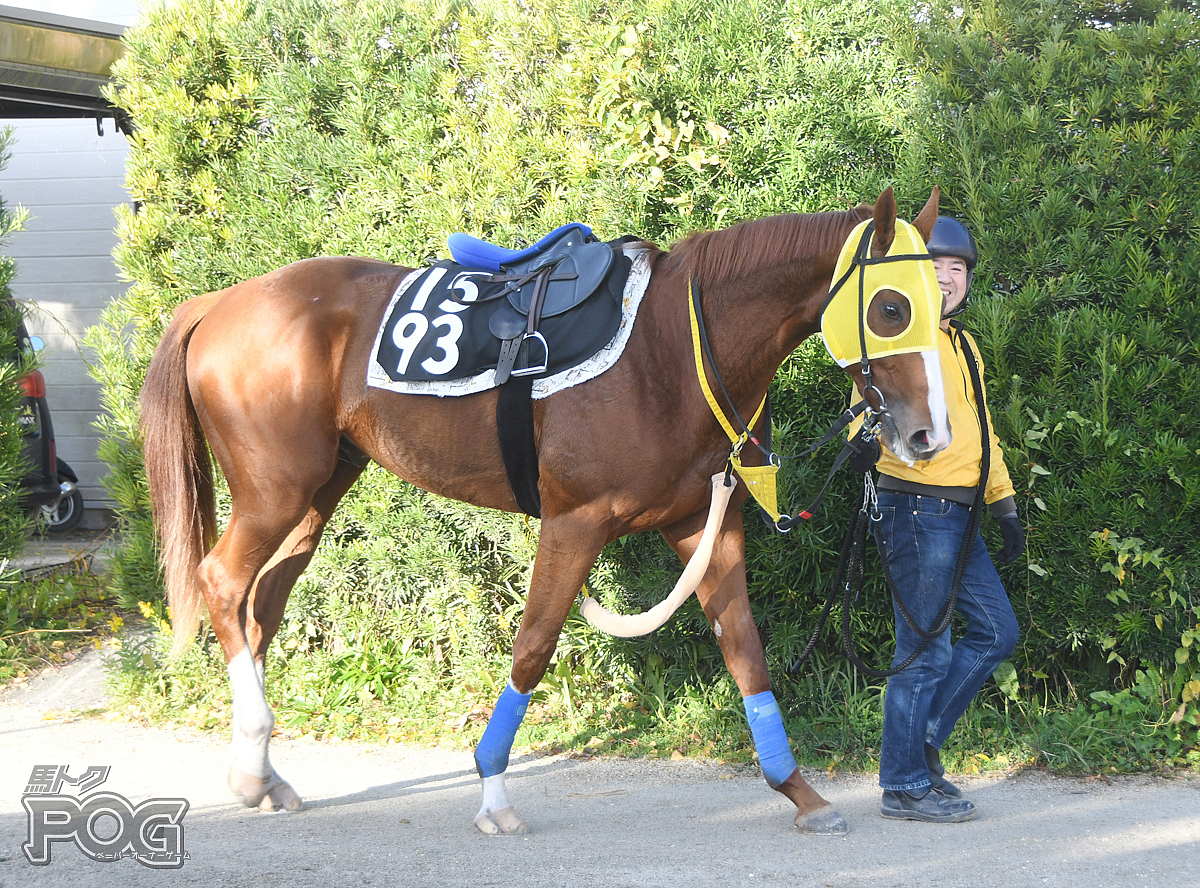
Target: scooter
51	485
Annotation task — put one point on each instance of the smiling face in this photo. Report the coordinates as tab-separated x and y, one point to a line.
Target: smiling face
952	279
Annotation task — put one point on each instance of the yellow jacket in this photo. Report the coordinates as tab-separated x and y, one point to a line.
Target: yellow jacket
954	473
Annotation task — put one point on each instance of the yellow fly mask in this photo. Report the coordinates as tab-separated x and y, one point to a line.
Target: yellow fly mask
906	269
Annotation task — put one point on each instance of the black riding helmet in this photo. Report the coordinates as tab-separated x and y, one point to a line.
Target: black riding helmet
951	238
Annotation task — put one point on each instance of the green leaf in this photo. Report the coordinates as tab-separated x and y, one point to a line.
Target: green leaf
1006	679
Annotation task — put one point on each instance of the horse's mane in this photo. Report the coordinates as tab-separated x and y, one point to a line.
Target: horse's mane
714	257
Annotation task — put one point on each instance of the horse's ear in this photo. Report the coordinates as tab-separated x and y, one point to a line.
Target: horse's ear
928	216
885	222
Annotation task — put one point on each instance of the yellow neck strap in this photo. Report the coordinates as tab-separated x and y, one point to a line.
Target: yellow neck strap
760	480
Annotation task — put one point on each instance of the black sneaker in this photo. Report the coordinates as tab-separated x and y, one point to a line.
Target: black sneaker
937	774
933	807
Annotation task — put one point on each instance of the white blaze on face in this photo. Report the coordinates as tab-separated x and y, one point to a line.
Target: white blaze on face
937	401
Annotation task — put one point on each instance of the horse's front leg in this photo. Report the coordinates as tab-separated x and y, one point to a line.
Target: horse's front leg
567	549
722	594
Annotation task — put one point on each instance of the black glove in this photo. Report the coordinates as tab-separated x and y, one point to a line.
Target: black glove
1014	538
863	454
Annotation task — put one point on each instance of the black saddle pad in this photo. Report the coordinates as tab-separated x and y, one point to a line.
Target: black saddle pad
437	328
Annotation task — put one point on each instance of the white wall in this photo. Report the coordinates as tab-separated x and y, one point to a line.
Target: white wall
70	180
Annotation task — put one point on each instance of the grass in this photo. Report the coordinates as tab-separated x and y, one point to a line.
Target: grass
377	687
365	695
400	695
47	619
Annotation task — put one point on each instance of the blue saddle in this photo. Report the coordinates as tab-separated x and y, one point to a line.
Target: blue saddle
475	253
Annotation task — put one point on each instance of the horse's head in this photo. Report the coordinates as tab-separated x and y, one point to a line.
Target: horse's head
880	324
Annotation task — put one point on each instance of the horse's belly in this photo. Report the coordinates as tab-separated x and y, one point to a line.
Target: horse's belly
446	446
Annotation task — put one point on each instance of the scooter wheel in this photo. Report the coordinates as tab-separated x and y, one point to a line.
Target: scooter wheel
65	516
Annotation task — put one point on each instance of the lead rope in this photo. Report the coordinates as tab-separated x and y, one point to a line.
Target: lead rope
851	564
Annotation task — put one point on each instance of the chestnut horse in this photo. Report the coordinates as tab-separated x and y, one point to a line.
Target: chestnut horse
272	373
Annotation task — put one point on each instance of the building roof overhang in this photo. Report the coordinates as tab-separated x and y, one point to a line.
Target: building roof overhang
56	66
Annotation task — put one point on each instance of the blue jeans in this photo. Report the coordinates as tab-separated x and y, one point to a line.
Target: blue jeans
922	536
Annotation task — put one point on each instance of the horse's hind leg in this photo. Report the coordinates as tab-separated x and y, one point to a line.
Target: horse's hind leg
567	549
225	577
276	515
268	598
723	595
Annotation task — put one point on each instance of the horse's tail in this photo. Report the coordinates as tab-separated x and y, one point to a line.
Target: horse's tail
178	470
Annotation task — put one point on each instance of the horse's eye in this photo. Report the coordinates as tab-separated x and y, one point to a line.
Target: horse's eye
891	311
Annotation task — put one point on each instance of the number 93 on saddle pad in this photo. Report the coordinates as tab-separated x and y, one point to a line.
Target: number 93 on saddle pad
445	327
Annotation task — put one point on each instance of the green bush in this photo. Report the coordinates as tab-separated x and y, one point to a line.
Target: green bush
14	523
1064	133
275	130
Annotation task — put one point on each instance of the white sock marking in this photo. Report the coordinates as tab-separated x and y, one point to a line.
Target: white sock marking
252	717
494	796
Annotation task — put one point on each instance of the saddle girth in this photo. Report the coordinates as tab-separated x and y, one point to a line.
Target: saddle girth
514	427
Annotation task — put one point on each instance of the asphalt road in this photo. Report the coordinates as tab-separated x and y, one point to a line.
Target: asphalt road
402	815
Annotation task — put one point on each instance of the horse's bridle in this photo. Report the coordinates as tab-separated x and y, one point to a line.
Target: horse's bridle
761	479
860	261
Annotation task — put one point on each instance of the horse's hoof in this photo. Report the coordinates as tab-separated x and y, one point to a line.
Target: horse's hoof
265	793
505	822
824	821
280	797
249	789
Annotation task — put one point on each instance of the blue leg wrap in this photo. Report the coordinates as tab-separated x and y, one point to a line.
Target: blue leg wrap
770	739
491	755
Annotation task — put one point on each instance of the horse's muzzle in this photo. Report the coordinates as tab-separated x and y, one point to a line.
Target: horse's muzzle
925	444
920	443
